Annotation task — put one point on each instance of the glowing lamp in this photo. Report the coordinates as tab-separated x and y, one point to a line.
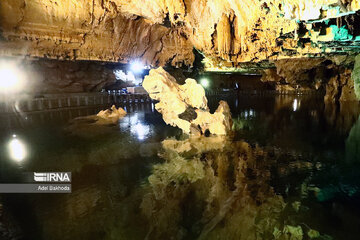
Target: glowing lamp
204	82
137	67
17	150
11	79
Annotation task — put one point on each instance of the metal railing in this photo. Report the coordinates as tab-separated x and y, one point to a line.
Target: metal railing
31	103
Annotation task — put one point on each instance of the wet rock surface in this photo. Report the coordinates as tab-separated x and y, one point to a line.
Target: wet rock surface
185	106
96	125
112	114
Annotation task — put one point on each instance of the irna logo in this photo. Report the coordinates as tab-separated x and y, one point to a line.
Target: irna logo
52	177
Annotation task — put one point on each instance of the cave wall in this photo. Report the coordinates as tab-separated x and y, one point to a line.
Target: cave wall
229	81
340	87
298	42
87	30
56	76
333	76
228	32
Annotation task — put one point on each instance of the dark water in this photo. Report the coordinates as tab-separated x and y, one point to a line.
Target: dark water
290	171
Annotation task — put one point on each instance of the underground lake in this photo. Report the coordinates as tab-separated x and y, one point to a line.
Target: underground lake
290	169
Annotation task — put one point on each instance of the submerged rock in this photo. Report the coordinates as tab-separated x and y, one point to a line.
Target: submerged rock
95	125
185	106
112	114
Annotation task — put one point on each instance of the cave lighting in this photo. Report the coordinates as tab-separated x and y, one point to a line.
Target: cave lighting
17	149
137	67
296	105
11	78
205	82
127	77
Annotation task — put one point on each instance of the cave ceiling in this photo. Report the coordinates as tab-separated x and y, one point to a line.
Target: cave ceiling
231	34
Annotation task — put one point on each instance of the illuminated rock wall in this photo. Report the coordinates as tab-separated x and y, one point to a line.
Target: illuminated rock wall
87	30
356	76
53	76
341	87
227	32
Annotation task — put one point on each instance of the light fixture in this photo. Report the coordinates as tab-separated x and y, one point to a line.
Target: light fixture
204	82
137	67
11	78
17	149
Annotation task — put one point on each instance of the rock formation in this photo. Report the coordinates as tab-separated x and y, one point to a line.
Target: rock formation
225	184
54	76
300	38
158	32
185	106
341	87
88	30
96	125
356	77
296	74
335	76
113	114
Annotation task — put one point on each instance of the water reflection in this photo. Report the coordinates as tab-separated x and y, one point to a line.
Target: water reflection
137	125
296	105
211	187
281	176
353	143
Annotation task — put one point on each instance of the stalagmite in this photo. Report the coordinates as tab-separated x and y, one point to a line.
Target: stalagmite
185	106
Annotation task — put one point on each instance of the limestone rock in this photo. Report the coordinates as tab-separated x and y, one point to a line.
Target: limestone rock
112	114
160	32
297	74
185	106
294	71
270	75
90	30
356	76
96	125
340	87
219	123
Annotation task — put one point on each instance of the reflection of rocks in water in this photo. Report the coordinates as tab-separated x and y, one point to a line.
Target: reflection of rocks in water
94	125
102	152
82	202
86	127
9	228
342	116
212	187
353	143
94	212
196	145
